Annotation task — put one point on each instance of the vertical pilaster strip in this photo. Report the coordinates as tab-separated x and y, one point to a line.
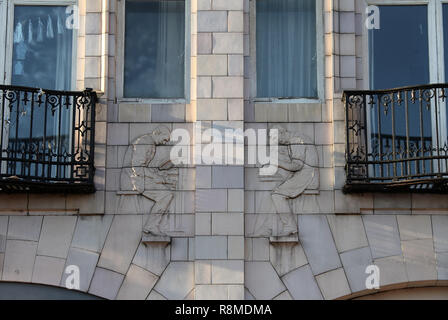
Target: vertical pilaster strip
220	188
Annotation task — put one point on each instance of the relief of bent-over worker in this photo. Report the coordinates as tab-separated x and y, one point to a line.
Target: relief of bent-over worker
147	173
298	173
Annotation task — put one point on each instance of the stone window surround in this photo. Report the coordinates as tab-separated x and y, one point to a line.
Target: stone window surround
320	59
120	60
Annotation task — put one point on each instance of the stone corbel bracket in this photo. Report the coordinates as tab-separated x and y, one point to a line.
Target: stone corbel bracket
151	240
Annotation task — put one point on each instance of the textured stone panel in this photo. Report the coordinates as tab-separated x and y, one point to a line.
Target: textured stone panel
56	235
86	262
267	289
106	283
382	233
317	241
302	285
137	284
333	284
91	232
177	280
121	243
355	263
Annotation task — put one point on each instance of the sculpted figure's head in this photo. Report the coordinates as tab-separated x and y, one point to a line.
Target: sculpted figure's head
161	135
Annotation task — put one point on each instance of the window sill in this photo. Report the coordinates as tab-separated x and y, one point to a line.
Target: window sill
286	100
152	101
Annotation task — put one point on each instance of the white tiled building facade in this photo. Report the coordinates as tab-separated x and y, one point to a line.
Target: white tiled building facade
212	251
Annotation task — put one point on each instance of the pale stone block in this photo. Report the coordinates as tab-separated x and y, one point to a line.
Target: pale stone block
17	203
305	112
204	43
211	109
382	233
414	227
333	284
227	177
235	292
259	249
228	43
324	133
93	23
429	201
19	260
212	65
392	270
440	228
287	257
106	283
228	272
270	287
203	224
118	134
419	259
3	232
352	203
214	200
348	232
235	247
236	109
302	285
204	87
392	201
228	87
121	242
204	4
48	270
227	5
86	262
2	260
211	248
134	113
212	292
177	281
212	21
154	295
317	241
236	65
137	284
442	266
154	257
179	249
355	263
235	200
284	296
87	204
91	232
46	203
24	228
231	224
269	112
236	21
56	235
168	113
203	272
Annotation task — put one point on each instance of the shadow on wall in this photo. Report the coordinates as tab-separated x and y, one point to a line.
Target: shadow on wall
28	291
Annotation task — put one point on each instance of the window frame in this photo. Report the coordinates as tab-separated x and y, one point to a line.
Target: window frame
320	53
10	35
121	20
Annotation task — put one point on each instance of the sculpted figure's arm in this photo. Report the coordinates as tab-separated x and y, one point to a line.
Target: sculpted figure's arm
288	163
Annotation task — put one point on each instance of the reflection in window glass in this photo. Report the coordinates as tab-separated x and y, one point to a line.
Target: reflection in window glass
286	49
154	49
42	58
399	56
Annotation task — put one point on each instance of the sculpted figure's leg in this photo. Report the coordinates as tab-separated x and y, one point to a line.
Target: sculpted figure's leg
286	223
159	213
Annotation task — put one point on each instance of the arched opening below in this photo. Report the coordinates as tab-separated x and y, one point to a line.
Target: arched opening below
29	291
425	293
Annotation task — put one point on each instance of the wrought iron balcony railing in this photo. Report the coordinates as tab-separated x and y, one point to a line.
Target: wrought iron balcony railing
46	140
397	139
